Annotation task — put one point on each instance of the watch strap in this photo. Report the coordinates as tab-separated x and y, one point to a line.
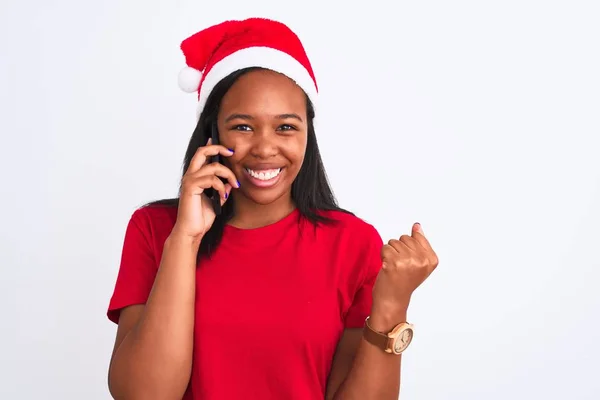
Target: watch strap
378	339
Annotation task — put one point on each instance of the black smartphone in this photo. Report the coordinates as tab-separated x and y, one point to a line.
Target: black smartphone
214	195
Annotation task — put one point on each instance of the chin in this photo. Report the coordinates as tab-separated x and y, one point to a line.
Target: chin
263	197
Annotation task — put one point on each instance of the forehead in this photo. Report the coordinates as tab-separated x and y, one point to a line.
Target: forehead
263	91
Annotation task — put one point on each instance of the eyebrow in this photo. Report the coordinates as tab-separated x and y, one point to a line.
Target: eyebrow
250	117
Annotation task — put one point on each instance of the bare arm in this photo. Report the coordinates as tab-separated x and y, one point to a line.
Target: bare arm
375	374
362	371
152	358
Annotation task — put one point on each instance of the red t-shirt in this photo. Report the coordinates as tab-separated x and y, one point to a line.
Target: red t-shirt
271	303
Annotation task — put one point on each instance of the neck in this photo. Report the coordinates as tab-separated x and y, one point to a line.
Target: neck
249	215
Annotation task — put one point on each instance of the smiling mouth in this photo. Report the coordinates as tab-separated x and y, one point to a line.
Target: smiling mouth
263	178
264	174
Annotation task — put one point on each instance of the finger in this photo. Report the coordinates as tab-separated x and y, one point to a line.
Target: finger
387	253
410	242
198	185
221	170
398	246
227	193
219	186
203	153
419	236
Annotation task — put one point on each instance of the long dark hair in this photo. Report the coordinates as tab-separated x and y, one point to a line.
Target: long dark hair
311	192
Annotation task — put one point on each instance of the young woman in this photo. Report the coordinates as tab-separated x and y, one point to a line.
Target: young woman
282	295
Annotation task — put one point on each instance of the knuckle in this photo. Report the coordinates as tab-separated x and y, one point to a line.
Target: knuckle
384	251
394	244
415	262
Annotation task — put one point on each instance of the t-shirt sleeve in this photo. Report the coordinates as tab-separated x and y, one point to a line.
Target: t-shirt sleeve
137	269
370	262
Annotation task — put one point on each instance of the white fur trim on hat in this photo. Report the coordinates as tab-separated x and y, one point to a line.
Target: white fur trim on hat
264	57
189	79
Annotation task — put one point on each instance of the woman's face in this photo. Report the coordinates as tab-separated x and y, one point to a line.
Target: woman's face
263	119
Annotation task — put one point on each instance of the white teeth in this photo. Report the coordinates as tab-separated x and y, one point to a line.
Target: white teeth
264	175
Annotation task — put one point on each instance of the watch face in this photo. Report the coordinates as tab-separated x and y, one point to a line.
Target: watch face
403	341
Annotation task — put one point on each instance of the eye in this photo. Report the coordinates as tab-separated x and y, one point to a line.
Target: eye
244	128
286	127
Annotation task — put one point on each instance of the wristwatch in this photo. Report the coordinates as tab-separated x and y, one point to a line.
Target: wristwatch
393	342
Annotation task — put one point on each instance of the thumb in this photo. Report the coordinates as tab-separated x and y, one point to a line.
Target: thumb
417	228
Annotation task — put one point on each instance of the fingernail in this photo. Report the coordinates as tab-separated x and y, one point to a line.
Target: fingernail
226	195
231	150
238	182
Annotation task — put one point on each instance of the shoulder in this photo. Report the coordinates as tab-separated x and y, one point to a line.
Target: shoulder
352	229
154	219
350	222
355	246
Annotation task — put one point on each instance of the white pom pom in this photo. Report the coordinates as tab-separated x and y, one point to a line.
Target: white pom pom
189	79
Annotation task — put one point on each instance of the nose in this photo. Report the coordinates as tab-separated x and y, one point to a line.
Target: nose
264	145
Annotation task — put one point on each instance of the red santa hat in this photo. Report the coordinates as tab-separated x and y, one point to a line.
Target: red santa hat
221	49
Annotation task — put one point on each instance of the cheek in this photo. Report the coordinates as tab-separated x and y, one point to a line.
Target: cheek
239	147
296	150
227	140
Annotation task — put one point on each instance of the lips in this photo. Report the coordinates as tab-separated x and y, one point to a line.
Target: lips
264	174
263	177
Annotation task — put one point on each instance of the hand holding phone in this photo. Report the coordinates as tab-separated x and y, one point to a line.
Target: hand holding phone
196	211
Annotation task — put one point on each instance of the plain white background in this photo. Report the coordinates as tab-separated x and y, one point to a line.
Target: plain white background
479	119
